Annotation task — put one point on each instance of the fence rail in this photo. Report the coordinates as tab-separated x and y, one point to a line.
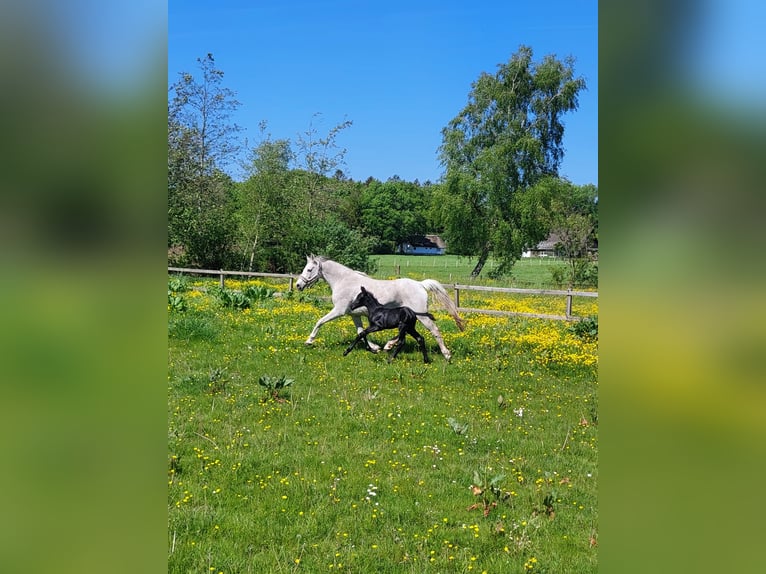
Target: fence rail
221	274
569	294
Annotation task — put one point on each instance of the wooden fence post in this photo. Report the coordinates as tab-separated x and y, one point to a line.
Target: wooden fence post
457	297
291	284
569	306
221	281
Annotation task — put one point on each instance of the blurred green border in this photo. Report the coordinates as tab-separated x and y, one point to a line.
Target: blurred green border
83	290
681	294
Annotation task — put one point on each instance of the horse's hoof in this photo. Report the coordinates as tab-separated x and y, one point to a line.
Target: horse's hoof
309	343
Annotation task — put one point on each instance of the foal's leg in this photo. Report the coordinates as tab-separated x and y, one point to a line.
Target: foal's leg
421	342
400	341
431	326
360	336
372	347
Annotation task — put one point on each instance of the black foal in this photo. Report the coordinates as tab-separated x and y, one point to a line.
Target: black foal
402	318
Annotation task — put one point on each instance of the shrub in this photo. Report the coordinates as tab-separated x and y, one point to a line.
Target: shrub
578	272
275	386
230	298
586	329
178	284
176	302
257	293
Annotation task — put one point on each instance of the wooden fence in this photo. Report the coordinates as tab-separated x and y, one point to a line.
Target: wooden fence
569	294
222	274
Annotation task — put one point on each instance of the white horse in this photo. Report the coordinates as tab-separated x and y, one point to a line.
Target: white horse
345	284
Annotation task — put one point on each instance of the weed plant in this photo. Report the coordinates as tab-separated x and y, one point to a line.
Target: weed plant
484	464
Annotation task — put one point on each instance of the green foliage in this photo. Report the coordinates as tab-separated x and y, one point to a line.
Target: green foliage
201	140
239	300
178	283
217	380
496	149
231	298
573	217
335	240
393	211
487	489
575	273
275	386
258	293
176	302
586	329
268	207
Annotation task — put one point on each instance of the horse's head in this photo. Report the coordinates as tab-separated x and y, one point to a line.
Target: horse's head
311	273
362	299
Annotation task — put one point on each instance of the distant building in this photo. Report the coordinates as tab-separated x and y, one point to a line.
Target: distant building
549	248
546	248
423	245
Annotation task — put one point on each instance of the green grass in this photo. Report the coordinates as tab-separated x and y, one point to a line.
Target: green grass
365	466
531	273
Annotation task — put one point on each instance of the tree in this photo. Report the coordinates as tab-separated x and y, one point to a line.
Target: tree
325	197
265	204
507	137
393	212
200	143
204	107
574	219
320	157
340	243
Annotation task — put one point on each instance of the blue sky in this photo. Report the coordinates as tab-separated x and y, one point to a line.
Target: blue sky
399	70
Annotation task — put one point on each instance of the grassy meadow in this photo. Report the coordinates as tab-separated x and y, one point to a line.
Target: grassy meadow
484	464
531	273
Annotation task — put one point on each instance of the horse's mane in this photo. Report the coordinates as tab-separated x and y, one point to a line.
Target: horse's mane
322	259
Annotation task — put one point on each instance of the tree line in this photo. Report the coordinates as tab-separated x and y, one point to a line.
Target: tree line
500	192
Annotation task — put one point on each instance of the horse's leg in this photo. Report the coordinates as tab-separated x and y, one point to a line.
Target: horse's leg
431	326
390	344
331	316
400	342
421	342
372	347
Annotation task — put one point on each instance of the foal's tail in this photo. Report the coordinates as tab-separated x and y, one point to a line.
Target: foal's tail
443	297
426	315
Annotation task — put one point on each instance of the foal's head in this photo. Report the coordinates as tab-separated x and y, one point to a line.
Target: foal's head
363	299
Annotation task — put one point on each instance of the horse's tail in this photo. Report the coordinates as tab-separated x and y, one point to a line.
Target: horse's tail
443	297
